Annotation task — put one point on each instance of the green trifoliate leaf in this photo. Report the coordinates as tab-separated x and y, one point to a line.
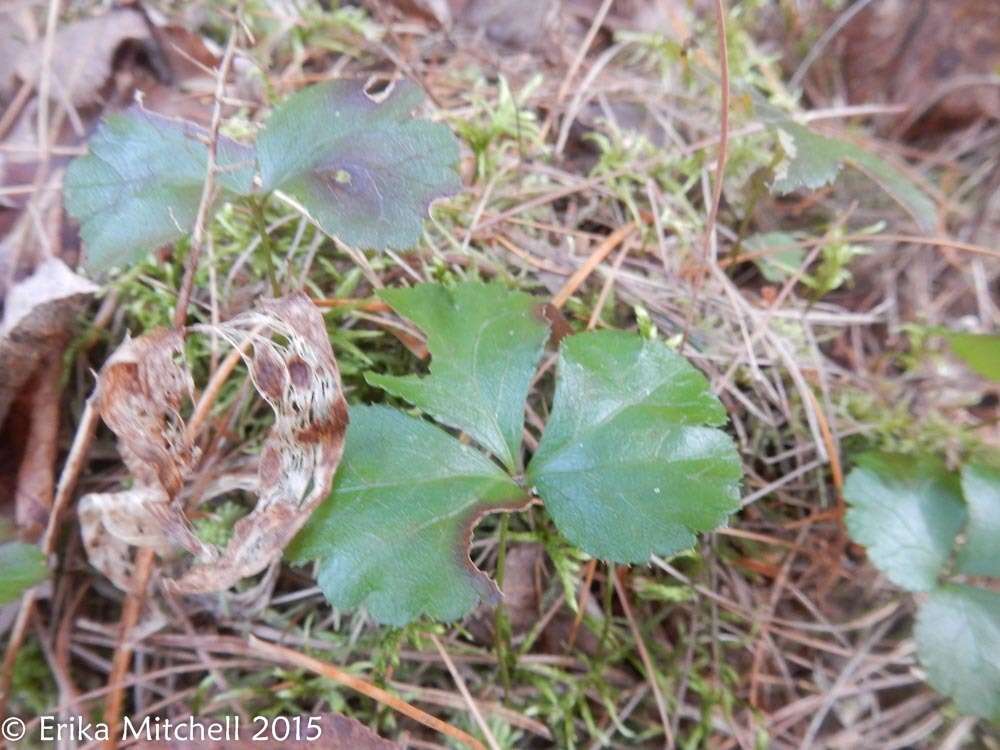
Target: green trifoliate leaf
394	534
958	640
907	511
140	184
21	567
366	170
980	351
629	464
980	555
485	342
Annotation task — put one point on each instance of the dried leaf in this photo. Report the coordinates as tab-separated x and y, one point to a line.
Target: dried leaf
37	316
141	390
519	24
84	52
928	55
301	382
439	11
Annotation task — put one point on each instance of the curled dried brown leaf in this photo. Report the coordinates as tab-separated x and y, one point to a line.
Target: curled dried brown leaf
142	389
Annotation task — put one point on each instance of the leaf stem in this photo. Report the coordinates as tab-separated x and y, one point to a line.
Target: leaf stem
506	658
258	207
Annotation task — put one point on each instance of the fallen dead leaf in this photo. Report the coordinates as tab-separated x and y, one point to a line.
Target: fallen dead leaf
521	590
37	319
520	24
83	54
141	390
439	11
928	55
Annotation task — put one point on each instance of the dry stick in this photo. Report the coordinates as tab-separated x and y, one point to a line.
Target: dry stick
145	557
466	695
448	699
602	298
933	241
766	628
581	606
711	246
600	253
828	36
198	236
282	655
64	491
371	304
45	79
578	59
647	662
123	653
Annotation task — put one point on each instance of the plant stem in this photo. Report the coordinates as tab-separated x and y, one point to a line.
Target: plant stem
501	623
258	207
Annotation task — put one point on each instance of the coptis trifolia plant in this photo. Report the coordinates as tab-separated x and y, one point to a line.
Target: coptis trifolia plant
631	462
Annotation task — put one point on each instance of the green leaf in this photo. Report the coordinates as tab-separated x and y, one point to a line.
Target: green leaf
626	466
485	341
980	555
780	254
394	534
814	160
23	566
365	170
958	640
907	511
139	186
980	351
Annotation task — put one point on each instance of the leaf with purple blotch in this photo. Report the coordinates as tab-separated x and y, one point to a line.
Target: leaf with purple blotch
366	170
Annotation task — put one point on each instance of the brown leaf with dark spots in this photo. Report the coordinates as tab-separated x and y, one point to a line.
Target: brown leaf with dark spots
142	388
140	393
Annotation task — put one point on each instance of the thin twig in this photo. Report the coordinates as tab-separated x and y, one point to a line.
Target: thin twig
580	56
208	189
145	557
282	655
710	251
600	253
466	695
647	661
